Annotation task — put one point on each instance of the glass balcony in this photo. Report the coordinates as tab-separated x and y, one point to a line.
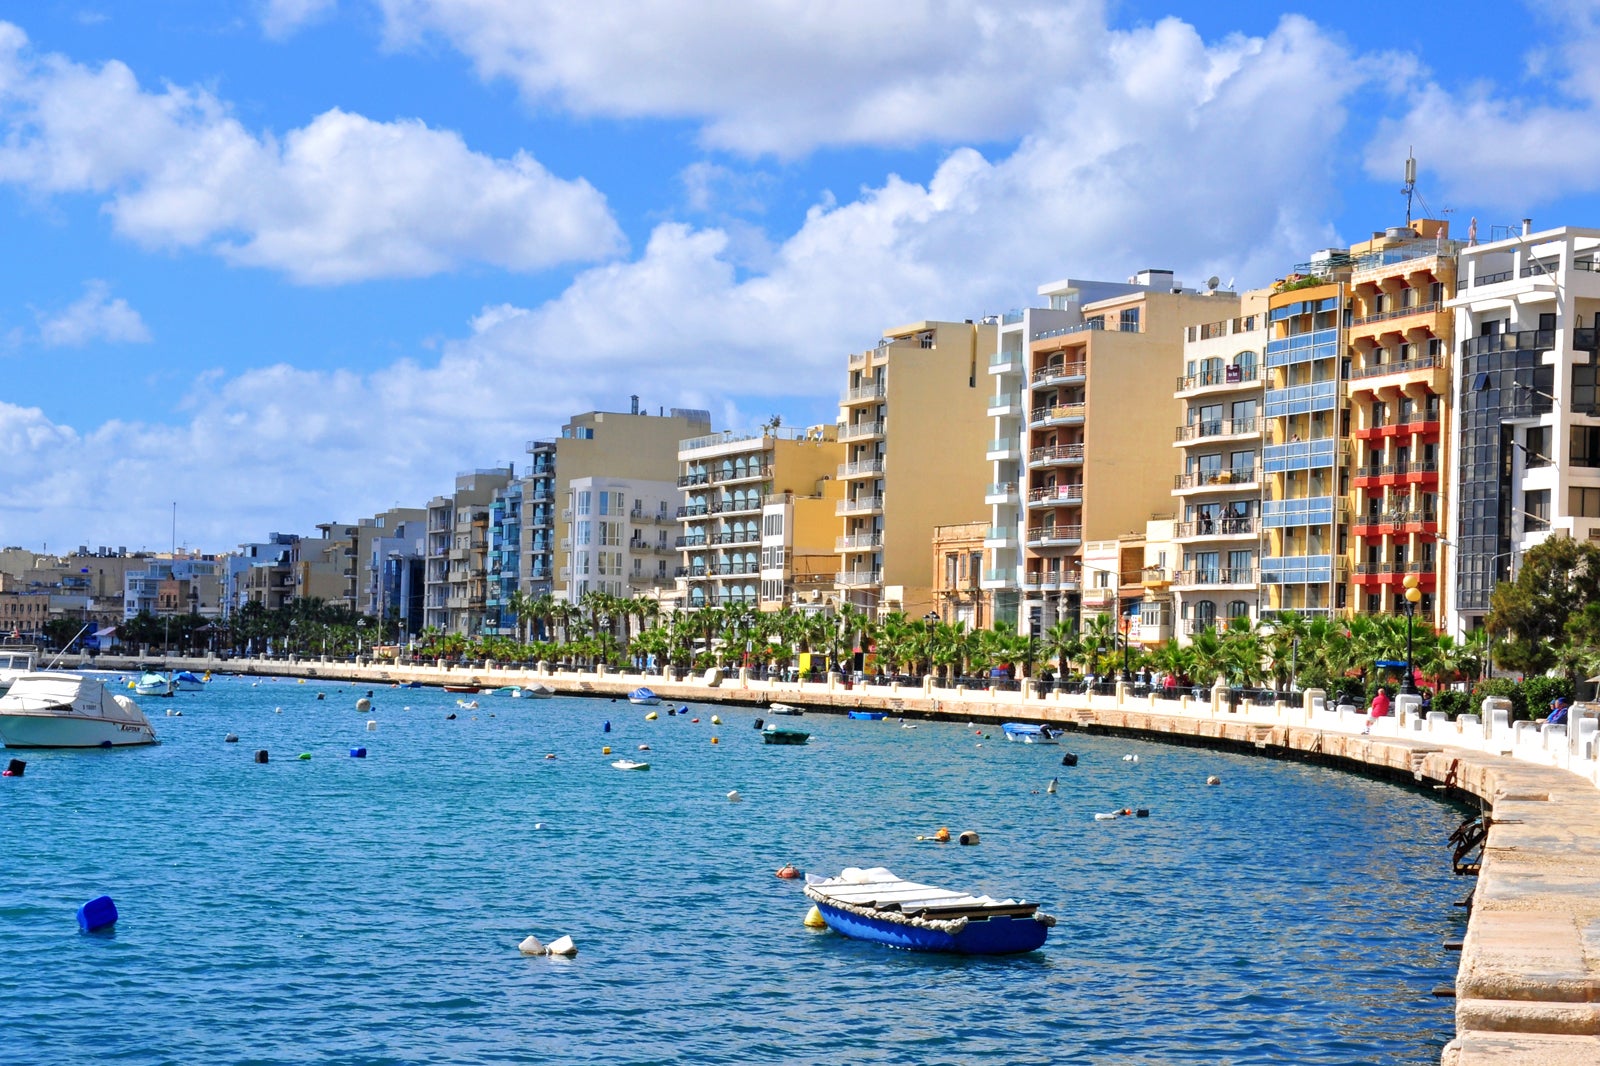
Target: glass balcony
1311	511
860	431
1303	348
1298	455
858	542
1297	570
863	505
1301	399
861	468
1220	427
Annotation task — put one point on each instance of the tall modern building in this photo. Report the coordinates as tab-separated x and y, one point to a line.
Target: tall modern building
1527	406
538	567
621	536
1217	494
455	599
913	420
1079	386
728	480
506	557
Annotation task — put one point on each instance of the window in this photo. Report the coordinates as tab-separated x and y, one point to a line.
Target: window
1536	510
1129	322
1584	395
1238	609
1584	503
1585	442
1537	447
584	502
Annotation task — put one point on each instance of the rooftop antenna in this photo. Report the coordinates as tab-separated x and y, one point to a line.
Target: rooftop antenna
1411	182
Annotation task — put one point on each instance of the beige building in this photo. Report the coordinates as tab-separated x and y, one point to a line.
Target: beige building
457	573
914	421
797	547
728	480
957	583
1078	454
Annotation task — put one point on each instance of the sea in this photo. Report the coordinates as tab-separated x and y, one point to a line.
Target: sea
339	910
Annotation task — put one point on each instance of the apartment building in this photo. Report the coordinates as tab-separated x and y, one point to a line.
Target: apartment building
327	567
1079	385
263	572
1217	494
958	592
1113	581
393	546
456	577
505	558
1527	406
729	479
798	541
622	533
174	585
1397	375
913	419
537	571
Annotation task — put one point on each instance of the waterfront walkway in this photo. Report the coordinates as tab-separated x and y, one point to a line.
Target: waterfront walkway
1528	988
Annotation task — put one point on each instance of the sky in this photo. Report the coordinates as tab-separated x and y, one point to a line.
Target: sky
271	263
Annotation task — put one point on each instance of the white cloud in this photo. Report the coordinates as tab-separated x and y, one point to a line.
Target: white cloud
1154	157
341	199
95	316
281	18
779	76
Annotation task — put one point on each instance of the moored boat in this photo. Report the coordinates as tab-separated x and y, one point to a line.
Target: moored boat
774	735
462	688
1028	733
153	683
870	716
65	710
629	764
14	662
189	681
784	708
875	905
538	692
643	697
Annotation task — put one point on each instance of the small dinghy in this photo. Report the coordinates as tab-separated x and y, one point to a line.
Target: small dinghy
784	708
870	716
876	905
538	692
189	681
643	697
1028	733
774	735
629	764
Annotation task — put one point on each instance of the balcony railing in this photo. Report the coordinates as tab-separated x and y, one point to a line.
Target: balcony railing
873	391
686	480
750	536
858	542
1007	489
1492	279
1217	527
1057	453
860	505
1407	366
1001	534
1216	575
1228	375
1522	340
858	578
1395	469
1061	412
860	431
1003	401
860	468
1415	566
1056	494
1048	535
1220	427
1239	477
1005	358
1060	372
1398	312
1004	444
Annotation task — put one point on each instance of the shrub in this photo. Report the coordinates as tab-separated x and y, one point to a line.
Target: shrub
1505	688
1539	691
1453	703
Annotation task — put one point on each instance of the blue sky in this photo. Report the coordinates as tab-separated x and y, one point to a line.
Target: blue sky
291	261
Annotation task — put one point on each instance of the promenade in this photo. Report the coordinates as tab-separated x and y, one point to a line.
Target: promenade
1528	987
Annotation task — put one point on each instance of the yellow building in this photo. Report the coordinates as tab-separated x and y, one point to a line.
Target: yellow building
958	593
729	479
914	421
797	538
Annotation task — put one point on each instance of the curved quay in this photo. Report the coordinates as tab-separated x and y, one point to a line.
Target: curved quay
1528	987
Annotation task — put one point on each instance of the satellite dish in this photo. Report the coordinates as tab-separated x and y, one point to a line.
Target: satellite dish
1212	282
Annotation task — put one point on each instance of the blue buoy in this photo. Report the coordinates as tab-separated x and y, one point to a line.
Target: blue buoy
607	727
358	753
98	913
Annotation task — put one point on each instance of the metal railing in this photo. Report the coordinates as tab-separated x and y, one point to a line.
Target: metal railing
1203	478
1398	312
1059	372
1220	427
1217	527
1057	412
1426	362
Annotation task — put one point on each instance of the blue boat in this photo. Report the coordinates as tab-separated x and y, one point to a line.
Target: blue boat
643	697
876	905
1029	733
189	681
870	716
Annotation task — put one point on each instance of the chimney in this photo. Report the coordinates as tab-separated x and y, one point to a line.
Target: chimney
635	400
1527	226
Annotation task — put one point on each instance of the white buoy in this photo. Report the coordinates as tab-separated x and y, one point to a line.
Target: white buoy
363	704
531	946
734	797
1213	780
538	825
1130	758
277	710
169	712
372	725
562	945
715	720
644	747
1052	788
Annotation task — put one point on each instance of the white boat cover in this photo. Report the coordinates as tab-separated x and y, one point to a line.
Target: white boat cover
58	694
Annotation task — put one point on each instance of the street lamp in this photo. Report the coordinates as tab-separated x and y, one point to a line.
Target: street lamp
1413	596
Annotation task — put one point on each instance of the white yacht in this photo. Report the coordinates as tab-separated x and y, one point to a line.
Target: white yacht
66	710
14	662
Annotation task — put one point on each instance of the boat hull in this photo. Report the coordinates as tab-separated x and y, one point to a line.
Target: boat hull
998	935
869	716
784	736
43	731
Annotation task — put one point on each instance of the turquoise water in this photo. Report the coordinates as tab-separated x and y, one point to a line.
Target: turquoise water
339	910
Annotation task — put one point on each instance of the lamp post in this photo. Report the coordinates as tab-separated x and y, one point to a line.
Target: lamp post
931	619
1413	595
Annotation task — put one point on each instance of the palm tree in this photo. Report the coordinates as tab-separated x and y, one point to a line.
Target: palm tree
1063	643
1099	636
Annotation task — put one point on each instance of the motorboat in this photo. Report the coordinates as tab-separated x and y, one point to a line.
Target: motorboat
643	697
870	716
151	683
875	905
774	735
14	662
784	708
189	681
629	764
463	688
514	691
1029	733
69	710
538	692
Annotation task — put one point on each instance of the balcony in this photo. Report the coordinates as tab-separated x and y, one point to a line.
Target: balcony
1220	427
1302	348
750	536
1050	581
867	393
1300	399
691	542
855	579
1299	570
1421	424
1394	523
1056	455
1072	373
694	510
459	553
999	576
1056	495
1004	448
855	542
1214	576
1001	492
860	431
1054	536
1494	278
1524	340
1397	313
1226	480
1384	370
1412	473
750	504
1227	377
862	505
689	480
1005	362
1299	455
1000	537
1206	526
1006	404
1396	573
752	472
860	468
1308	511
1067	414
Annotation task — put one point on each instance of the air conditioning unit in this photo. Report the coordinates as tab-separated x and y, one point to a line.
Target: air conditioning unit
566	514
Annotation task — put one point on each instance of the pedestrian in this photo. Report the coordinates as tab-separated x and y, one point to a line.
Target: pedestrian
1380	704
1558	711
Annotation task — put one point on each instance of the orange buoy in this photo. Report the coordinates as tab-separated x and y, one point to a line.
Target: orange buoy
787	871
943	835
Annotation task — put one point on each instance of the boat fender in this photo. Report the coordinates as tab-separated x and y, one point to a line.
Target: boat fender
967	838
1213	780
606	728
760	723
363	705
231	738
169	712
734	797
1069	759
1105	817
1052	787
531	946
652	716
99	913
177	714
1141	812
715	720
606	750
814	919
449	717
644	747
372	725
15	768
277	710
261	756
358	753
788	871
562	945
